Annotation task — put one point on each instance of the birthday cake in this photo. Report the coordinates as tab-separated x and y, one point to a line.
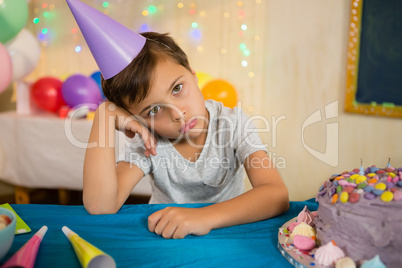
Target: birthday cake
361	213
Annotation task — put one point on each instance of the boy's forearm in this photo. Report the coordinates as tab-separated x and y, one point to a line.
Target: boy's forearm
260	203
100	180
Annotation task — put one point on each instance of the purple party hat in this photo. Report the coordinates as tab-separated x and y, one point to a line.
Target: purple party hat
112	44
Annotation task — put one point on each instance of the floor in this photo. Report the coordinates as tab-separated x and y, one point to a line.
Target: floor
51	196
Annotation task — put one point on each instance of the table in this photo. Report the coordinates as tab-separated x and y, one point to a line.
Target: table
45	151
126	238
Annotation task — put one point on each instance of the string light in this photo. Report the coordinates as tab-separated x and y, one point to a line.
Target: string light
244	49
152	9
196	34
144	28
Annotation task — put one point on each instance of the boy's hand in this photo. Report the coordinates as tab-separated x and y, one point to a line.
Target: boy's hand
130	125
177	222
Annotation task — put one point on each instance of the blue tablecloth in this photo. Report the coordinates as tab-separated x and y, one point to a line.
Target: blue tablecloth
126	238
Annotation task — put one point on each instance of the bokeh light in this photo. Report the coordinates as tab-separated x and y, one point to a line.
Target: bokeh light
145	28
152	9
196	34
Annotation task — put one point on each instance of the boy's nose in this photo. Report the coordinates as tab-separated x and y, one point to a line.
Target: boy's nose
177	114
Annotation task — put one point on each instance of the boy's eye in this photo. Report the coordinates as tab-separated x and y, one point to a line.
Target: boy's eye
154	110
177	89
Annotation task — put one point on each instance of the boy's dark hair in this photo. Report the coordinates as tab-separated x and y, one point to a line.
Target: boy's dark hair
133	82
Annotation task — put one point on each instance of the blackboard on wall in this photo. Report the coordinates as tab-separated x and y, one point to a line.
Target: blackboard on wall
374	70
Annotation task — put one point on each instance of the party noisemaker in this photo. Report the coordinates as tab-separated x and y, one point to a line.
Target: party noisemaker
88	255
26	256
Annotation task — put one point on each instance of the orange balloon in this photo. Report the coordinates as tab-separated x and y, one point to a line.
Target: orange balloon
221	91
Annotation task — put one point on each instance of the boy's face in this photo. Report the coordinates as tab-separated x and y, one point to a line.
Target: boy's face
175	106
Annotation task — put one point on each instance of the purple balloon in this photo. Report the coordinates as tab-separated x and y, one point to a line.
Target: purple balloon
79	90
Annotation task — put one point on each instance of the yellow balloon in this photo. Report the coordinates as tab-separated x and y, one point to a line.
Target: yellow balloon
64	76
203	79
221	91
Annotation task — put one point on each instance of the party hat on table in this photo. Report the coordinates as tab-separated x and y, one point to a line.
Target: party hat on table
88	255
26	256
112	44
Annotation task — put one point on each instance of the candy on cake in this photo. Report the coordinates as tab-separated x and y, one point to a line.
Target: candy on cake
345	262
328	254
303	242
374	263
306	216
303	229
362	211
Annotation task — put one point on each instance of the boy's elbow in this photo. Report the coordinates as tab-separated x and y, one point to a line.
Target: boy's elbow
96	209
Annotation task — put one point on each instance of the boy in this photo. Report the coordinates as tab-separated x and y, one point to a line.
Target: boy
194	148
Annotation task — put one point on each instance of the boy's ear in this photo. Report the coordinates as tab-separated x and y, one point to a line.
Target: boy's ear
196	77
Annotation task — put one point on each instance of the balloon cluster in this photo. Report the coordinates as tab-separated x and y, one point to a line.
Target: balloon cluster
217	89
19	49
51	94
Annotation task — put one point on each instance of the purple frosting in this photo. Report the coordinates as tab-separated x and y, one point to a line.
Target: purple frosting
362	229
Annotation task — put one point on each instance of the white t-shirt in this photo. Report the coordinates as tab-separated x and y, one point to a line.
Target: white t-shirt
217	174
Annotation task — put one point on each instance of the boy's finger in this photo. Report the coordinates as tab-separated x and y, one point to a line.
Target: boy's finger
153	220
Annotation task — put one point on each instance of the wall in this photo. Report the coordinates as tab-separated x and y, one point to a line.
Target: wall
296	69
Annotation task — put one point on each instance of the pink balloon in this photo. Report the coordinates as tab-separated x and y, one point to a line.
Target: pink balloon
6	69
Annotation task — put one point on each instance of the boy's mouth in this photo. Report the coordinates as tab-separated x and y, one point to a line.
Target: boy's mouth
189	125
